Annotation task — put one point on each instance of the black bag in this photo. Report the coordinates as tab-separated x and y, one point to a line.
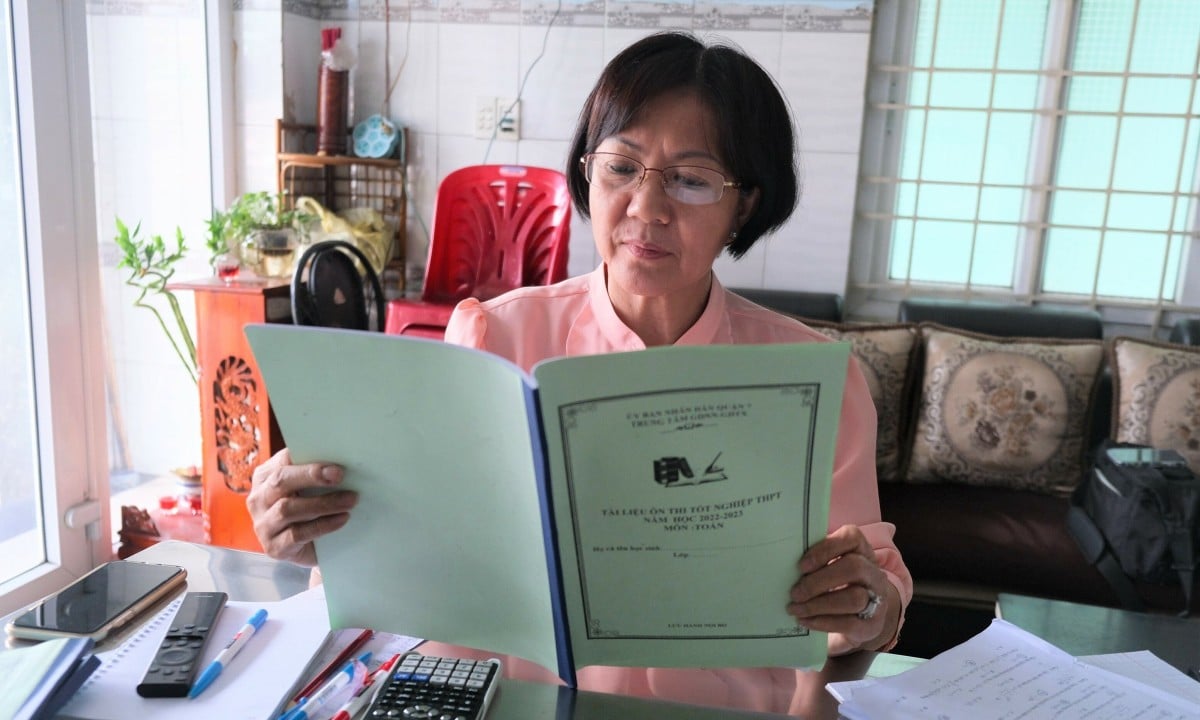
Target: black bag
1136	516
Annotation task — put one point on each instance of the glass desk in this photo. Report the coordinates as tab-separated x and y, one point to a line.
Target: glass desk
1094	630
748	693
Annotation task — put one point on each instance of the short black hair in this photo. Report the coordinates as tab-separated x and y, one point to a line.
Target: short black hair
753	124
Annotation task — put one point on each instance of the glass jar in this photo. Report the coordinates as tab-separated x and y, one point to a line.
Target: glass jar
271	252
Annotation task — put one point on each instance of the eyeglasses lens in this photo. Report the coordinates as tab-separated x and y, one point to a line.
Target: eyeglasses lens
686	183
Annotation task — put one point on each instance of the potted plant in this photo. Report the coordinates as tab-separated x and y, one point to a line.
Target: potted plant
151	263
258	229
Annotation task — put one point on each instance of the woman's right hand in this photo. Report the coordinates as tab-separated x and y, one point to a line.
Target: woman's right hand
287	518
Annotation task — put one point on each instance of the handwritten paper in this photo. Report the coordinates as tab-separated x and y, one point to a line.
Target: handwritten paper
1006	672
1145	666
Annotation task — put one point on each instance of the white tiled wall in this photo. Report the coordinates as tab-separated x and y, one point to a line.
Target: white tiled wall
150	129
150	118
455	50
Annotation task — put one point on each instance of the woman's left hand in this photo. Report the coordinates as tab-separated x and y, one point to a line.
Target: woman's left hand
843	590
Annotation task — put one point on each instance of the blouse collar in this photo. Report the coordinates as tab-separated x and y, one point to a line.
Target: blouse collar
712	327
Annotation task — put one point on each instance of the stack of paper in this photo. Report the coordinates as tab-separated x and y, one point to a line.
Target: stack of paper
36	681
1006	672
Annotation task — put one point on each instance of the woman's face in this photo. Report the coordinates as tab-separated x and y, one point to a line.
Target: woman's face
656	246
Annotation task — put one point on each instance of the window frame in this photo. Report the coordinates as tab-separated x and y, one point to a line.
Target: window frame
872	293
50	52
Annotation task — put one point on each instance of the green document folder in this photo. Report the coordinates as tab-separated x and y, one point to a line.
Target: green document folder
635	509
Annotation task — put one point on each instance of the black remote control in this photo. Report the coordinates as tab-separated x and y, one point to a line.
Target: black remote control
174	666
423	686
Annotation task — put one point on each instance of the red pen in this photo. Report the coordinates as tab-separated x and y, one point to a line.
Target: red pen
367	692
360	640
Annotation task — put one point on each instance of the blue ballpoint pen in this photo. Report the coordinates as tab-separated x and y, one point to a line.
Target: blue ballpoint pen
321	696
228	653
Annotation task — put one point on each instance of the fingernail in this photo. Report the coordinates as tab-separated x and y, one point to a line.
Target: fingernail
331	474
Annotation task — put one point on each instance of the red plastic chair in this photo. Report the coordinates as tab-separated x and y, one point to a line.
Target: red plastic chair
495	228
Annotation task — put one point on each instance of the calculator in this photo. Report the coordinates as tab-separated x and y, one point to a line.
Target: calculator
438	688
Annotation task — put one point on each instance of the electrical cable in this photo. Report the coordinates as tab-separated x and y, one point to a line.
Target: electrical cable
521	87
387	52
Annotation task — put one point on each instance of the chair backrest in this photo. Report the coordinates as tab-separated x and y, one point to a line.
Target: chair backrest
495	228
329	289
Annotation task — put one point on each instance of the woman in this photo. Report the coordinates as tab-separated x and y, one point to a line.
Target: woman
682	152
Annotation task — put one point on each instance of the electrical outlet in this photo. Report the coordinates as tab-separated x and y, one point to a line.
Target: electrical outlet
508	118
485	117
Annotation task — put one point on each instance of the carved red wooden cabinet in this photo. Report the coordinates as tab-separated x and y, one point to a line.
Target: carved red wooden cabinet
238	429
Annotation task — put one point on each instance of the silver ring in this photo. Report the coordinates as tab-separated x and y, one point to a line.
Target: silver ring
873	603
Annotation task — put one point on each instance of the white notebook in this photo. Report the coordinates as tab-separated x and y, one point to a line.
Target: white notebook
252	688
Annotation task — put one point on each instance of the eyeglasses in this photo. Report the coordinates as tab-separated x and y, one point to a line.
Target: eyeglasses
688	184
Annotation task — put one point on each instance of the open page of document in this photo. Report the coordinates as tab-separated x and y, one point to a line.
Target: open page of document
446	540
1006	672
685	494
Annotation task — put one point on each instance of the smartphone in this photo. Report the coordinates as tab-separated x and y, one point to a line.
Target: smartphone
1145	457
100	602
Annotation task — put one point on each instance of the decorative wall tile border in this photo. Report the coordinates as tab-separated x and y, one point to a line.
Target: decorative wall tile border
852	16
735	15
572	13
149	8
641	14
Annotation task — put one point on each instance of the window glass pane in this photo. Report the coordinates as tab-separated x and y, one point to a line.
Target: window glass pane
1157	95
901	245
1009	136
941	251
918	88
954	146
1102	35
1171	289
1070	260
1166	38
995	255
910	153
947	202
961	89
1130	211
1001	204
1148	154
906	199
923	39
1094	94
975	49
1085	154
1015	92
1022	35
1069	207
21	545
1132	265
1185	214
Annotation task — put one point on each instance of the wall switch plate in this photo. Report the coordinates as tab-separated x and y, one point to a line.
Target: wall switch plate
508	118
497	116
485	117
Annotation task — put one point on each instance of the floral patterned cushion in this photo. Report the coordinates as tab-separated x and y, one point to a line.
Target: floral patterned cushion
1004	412
885	356
1156	389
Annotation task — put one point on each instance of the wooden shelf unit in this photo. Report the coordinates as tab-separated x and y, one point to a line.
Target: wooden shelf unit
340	182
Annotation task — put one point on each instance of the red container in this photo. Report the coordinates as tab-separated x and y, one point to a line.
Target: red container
333	110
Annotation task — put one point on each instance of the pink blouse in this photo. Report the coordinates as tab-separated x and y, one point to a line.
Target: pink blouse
575	317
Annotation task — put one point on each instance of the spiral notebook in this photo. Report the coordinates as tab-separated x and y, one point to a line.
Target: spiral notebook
253	687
